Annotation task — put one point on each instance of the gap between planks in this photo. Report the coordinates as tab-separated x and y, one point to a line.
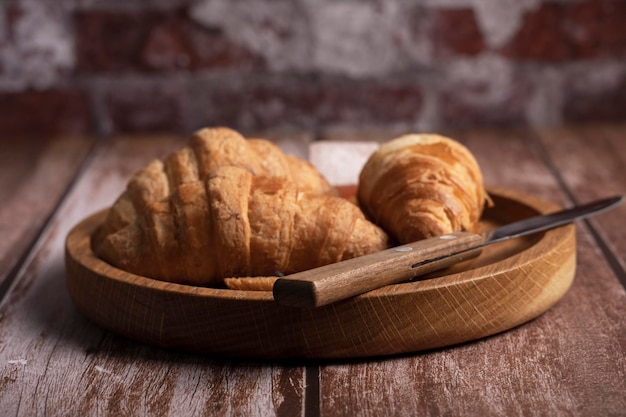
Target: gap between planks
543	153
29	250
312	391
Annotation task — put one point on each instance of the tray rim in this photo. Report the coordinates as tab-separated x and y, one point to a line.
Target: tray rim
524	257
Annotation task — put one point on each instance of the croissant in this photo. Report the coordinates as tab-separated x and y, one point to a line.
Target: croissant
211	148
422	185
224	206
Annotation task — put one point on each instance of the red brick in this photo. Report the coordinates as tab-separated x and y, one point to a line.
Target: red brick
581	30
166	47
456	31
306	102
176	42
540	36
510	111
44	113
163	41
370	102
110	41
12	15
597	28
146	109
269	105
608	105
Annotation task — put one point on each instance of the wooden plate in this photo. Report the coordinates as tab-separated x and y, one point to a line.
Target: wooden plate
507	285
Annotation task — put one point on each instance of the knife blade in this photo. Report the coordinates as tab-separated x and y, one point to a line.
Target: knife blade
338	281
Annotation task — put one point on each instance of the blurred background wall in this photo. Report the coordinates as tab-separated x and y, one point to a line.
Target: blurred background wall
105	67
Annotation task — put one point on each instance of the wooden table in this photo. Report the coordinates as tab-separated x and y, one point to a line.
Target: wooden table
53	361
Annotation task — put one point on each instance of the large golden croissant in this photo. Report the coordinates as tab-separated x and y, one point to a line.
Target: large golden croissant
211	148
420	185
224	206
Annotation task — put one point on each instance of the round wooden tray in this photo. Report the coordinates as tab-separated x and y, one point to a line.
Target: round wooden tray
507	285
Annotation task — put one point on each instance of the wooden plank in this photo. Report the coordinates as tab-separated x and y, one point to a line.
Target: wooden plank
591	161
55	362
34	174
569	361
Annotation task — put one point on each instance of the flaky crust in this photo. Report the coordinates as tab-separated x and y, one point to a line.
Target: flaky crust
419	186
225	207
212	148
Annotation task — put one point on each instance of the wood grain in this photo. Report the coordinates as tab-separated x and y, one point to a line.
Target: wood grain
34	174
569	361
54	362
590	161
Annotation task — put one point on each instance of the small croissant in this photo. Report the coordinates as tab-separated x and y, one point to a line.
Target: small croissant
419	186
224	207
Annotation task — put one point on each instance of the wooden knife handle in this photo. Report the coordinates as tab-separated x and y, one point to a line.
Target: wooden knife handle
342	280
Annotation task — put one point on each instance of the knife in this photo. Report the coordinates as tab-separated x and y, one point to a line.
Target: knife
339	281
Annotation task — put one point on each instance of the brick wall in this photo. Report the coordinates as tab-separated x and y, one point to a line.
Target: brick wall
105	67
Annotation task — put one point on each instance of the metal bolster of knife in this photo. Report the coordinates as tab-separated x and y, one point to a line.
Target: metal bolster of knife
442	262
